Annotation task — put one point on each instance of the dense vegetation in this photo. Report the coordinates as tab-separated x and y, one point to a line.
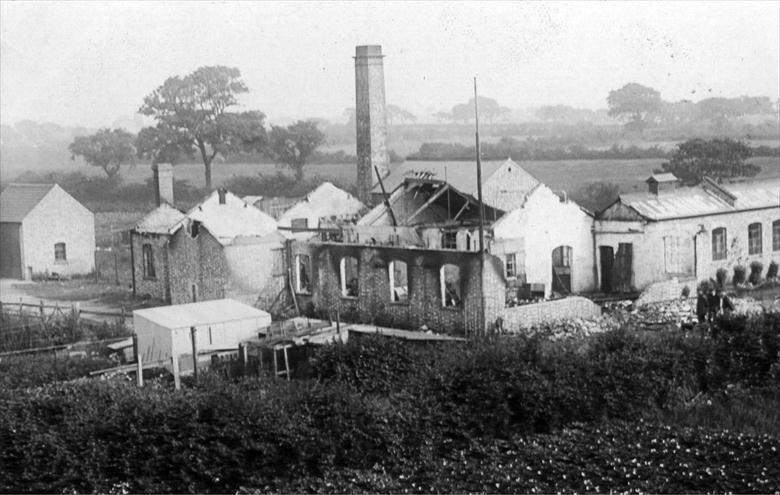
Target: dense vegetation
625	410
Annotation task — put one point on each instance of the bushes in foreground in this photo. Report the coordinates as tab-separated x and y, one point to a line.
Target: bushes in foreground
523	414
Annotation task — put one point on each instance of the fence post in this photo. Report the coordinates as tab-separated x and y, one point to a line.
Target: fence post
242	350
286	363
139	368
194	335
175	368
20	307
42	312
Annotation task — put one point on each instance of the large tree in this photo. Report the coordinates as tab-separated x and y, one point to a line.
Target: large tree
637	103
398	115
108	149
717	158
294	144
192	117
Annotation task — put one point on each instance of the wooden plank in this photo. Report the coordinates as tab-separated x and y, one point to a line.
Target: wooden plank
428	203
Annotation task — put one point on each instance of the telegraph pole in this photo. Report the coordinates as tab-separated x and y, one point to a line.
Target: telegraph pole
482	322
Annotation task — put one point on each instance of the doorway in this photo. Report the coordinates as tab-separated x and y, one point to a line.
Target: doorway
561	269
607	257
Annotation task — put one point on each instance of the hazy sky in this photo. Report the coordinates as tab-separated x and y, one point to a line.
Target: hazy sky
89	63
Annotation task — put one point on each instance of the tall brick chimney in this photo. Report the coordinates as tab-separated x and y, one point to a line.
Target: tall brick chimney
371	118
163	183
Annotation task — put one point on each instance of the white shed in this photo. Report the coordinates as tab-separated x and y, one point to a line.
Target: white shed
219	325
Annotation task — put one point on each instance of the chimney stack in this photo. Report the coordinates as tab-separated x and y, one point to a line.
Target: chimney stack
371	118
163	183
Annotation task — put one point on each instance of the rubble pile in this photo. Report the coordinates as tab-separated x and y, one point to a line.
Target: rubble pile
575	327
676	312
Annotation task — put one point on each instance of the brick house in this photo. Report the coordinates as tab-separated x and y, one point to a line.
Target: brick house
222	247
44	231
672	232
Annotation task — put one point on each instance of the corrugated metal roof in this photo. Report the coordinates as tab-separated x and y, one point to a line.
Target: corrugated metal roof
159	220
200	313
695	201
17	200
462	175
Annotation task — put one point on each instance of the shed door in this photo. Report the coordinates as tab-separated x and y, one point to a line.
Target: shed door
10	251
624	267
607	256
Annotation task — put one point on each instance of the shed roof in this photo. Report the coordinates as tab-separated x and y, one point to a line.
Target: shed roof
200	313
18	200
159	220
696	201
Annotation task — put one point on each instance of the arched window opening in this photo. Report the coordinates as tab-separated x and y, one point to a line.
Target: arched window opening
451	294
399	282
349	276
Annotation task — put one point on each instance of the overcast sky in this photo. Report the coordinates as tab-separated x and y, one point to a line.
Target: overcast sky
89	63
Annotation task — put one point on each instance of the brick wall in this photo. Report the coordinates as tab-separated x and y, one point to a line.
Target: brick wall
199	261
520	317
156	287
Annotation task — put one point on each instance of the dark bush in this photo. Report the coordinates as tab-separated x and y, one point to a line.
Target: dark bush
756	268
720	277
771	271
739	275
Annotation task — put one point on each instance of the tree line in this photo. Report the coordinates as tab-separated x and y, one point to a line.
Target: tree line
194	117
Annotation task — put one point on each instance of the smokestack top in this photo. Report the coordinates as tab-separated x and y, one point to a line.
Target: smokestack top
365	51
163	183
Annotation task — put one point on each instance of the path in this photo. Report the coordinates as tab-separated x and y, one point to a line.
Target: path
12	291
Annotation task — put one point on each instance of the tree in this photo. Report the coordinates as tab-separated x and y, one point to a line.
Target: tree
636	102
294	144
596	196
108	149
192	117
396	114
717	158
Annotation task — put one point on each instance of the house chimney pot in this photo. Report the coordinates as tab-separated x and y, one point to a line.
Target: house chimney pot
163	183
222	192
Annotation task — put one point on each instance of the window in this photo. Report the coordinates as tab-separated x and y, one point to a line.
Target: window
399	283
511	265
349	276
672	262
719	244
298	224
148	259
450	286
754	238
449	240
59	252
776	235
562	256
302	272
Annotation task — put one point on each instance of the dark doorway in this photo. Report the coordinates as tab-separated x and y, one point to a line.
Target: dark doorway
607	256
561	270
624	267
10	251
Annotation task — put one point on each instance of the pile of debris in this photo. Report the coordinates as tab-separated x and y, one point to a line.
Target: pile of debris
574	327
673	313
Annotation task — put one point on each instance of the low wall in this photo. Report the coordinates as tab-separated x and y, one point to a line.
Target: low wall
665	290
529	315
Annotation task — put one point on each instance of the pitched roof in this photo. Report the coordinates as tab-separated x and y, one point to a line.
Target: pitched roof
461	175
697	201
666	177
227	221
17	200
159	220
326	200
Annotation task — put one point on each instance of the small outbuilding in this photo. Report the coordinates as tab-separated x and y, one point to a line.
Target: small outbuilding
44	231
218	325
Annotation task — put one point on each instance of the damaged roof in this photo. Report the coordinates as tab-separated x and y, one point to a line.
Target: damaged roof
18	200
325	201
698	201
159	220
228	220
461	175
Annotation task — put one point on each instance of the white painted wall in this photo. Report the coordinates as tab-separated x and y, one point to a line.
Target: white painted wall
58	217
649	262
544	223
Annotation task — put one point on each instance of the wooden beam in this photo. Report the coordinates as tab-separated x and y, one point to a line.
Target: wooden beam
463	208
430	201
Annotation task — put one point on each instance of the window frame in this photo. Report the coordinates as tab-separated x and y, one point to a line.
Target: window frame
60	256
443	288
717	255
513	264
147	258
299	289
342	277
393	285
449	236
755	244
776	235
